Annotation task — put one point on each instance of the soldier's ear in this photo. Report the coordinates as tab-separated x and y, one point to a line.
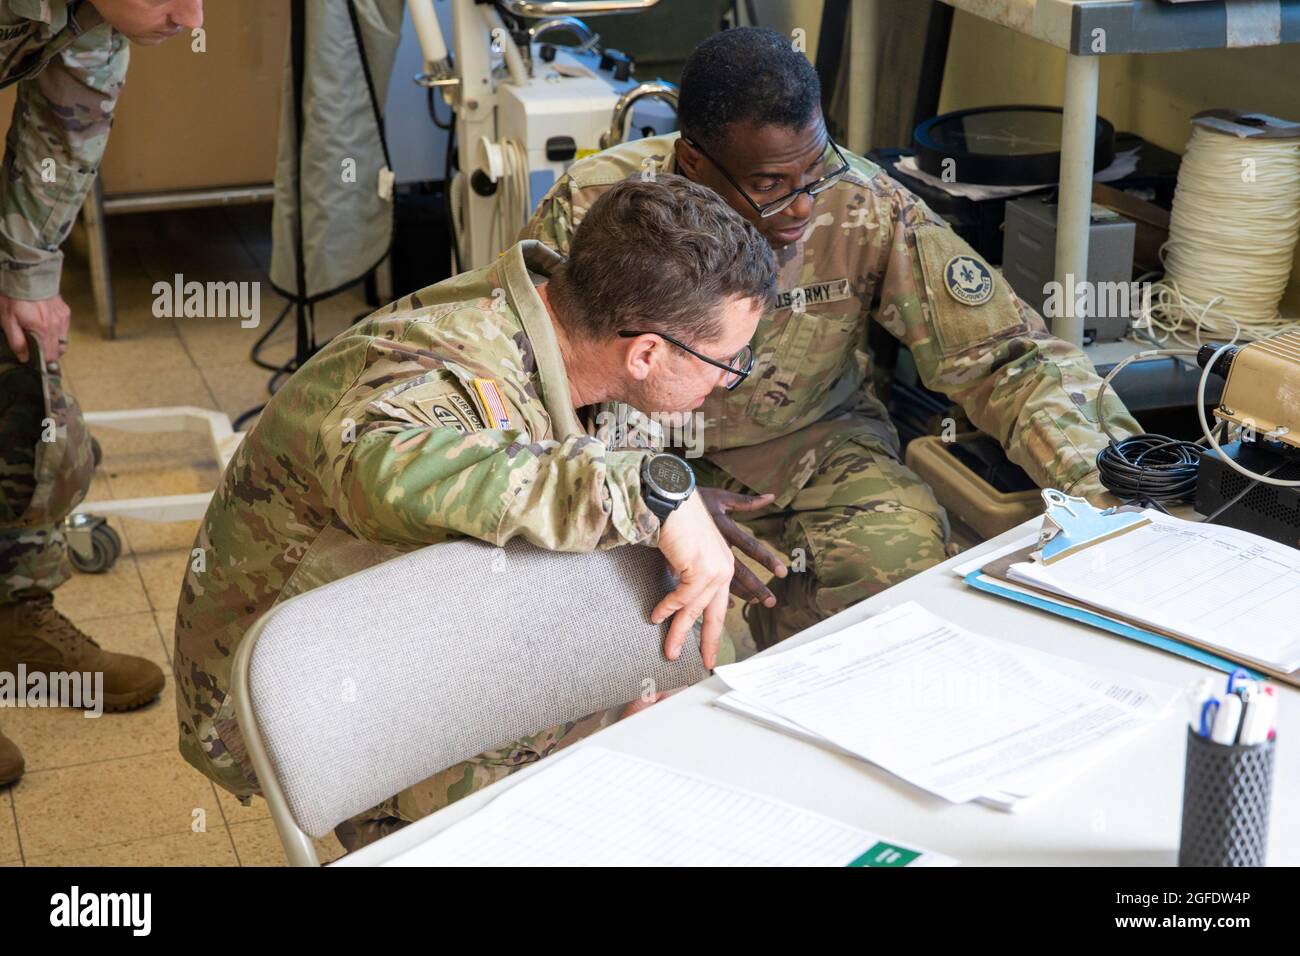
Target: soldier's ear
687	159
639	355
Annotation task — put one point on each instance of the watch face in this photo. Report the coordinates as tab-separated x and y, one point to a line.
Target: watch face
669	475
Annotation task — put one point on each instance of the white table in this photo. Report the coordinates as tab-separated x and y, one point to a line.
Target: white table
1087	30
1126	813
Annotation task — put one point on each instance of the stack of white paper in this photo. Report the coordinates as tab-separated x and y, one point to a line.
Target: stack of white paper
1219	586
597	807
961	715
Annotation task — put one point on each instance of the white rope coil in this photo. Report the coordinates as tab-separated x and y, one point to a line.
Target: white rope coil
1232	240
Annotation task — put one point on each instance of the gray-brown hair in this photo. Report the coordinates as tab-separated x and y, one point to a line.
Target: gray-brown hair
660	256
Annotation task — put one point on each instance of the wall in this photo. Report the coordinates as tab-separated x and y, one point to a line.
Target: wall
1154	96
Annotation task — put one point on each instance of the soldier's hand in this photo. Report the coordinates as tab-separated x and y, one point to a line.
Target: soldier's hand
641	703
703	565
744	583
46	319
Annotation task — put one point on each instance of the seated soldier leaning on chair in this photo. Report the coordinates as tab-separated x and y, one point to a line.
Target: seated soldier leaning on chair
455	412
805	447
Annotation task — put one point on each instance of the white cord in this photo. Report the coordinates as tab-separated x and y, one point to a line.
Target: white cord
512	196
1205	427
1119	367
1200	407
1232	240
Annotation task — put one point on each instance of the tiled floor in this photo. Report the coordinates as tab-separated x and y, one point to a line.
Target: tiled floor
113	790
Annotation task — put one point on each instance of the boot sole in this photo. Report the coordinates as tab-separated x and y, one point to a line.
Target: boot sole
134	702
126	702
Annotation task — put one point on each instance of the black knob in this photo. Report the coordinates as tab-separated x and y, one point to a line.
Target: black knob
1222	366
481	184
561	149
547	52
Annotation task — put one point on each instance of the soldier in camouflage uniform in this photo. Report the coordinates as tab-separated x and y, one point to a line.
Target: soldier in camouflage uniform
69	61
805	439
452	413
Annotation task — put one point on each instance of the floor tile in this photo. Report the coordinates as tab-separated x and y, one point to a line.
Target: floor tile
9	847
142	343
258	845
235	812
166	622
152	537
117	591
114	389
205	848
236	388
114	801
162	573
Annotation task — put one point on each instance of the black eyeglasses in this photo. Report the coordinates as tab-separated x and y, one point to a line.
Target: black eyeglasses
737	369
768	209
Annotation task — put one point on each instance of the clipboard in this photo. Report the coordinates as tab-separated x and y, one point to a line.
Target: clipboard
1025	593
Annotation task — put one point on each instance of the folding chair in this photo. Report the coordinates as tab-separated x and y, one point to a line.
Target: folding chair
351	692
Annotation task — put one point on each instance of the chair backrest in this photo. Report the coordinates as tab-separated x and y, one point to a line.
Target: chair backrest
353	691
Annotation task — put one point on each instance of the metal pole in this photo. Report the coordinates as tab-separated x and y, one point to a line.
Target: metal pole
1078	145
101	274
864	46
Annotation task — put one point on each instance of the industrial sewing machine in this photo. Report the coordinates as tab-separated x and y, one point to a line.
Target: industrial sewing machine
525	110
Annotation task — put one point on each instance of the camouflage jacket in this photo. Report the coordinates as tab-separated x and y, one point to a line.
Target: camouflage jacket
445	414
874	250
69	66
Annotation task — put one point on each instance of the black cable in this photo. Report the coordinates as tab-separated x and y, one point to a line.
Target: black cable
433	113
255	353
446	194
1152	466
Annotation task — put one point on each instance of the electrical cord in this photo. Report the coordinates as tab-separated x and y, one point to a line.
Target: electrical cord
1151	466
255	353
433	113
1146	466
1161	468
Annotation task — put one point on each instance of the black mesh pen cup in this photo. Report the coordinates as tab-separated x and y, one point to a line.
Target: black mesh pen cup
1226	796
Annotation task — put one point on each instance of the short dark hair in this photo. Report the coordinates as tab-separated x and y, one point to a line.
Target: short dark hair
745	74
659	256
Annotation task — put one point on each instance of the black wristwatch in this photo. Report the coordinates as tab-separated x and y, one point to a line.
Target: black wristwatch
666	482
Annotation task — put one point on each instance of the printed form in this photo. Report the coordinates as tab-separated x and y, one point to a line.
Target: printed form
1219	586
598	807
956	713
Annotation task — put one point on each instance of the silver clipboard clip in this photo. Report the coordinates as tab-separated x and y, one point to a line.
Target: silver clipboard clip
1072	524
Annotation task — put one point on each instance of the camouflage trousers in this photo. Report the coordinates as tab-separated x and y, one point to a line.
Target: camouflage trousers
45	469
849	518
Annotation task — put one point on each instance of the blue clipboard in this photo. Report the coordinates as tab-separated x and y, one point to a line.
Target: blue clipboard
1142	636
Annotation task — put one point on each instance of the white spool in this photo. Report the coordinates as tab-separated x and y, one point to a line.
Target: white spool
1232	235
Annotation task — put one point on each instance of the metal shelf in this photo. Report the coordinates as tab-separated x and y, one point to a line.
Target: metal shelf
1144	26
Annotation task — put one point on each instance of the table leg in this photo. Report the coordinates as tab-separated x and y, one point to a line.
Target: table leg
1078	145
101	276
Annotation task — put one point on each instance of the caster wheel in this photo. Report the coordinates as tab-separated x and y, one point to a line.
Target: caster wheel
96	453
106	547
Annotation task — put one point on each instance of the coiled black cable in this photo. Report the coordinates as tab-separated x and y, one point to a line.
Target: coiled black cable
1150	466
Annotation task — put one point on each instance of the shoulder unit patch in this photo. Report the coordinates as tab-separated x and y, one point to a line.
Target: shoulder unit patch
968	280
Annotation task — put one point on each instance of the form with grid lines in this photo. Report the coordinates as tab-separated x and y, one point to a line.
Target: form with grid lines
597	807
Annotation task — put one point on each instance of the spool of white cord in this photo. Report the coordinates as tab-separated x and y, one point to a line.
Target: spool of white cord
512	195
1232	235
